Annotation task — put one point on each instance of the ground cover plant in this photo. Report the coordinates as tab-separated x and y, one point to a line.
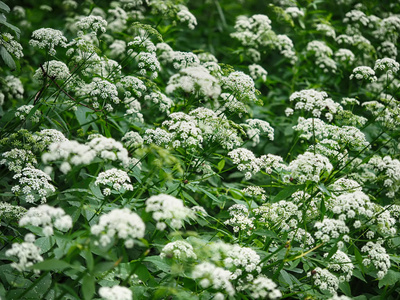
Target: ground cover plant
209	149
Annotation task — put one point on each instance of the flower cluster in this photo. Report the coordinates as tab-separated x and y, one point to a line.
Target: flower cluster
115	293
17	159
47	217
214	277
48	38
330	229
11	212
27	253
11	45
166	208
262	288
93	23
387	170
117	179
178	250
315	102
195	81
55	69
387	64
185	16
324	280
340	262
121	223
309	166
364	73
247	161
240	220
25	110
378	257
33	184
241	85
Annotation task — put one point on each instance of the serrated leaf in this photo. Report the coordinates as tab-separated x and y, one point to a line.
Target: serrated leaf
51	265
7	58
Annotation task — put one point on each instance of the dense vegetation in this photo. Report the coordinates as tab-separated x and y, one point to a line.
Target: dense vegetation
208	149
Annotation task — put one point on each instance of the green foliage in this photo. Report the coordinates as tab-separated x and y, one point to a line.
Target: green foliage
199	149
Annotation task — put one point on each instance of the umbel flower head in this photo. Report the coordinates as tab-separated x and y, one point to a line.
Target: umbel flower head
166	208
48	38
121	223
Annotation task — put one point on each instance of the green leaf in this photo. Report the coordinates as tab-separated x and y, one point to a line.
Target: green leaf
345	288
391	278
88	287
87	254
3	20
286	278
287	192
9	61
51	265
215	199
221	164
45	243
4	7
142	272
159	263
102	267
84	117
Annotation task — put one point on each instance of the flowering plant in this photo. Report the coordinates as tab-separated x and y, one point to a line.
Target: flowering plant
180	149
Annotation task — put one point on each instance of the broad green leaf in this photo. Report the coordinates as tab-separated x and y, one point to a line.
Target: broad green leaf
391	277
45	243
285	277
345	288
102	267
159	263
9	61
88	287
51	265
4	7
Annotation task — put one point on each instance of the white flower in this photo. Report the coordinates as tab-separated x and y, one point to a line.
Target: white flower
195	80
179	250
121	223
364	73
214	277
115	293
118	179
166	208
94	23
47	217
184	15
330	228
387	64
27	253
309	166
48	38
324	280
377	255
33	184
